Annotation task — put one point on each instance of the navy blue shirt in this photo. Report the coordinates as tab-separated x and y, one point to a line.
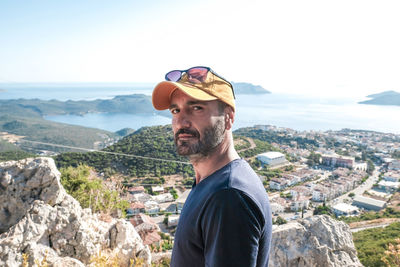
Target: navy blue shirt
226	221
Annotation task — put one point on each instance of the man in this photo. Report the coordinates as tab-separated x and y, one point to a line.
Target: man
226	219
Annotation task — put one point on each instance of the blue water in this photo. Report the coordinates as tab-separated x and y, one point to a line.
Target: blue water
291	111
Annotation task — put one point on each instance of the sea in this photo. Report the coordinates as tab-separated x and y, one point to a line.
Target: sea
298	112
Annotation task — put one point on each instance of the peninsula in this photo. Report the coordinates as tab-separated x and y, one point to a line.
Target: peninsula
385	98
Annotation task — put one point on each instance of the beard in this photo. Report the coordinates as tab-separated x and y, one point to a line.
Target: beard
205	145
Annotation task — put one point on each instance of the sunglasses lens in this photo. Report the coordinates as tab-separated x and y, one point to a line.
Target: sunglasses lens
197	75
173	76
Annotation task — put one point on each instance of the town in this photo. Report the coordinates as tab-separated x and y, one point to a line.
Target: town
349	171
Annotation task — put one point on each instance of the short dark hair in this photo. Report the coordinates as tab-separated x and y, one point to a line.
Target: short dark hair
221	107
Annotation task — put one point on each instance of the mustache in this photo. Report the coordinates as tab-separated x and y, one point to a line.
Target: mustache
186	131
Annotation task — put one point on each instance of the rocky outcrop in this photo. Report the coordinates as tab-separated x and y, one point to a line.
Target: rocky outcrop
38	219
313	242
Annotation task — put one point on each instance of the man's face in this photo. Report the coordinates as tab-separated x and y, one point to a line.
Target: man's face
198	126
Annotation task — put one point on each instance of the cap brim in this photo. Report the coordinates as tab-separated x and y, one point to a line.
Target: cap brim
161	97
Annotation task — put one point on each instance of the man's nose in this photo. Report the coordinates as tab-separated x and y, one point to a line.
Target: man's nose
183	120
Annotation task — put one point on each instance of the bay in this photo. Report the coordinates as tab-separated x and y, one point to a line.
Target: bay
298	112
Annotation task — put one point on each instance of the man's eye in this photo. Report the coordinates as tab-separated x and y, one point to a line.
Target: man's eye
174	111
197	108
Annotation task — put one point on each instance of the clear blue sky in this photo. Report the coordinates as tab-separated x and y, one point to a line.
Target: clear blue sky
308	47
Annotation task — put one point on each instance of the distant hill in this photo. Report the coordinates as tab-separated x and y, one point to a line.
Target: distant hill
125	131
136	103
24	117
40	130
384	98
248	88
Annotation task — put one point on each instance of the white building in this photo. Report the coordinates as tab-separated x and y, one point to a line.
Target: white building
388	186
276	208
166	197
394	165
392	176
343	209
362	166
173	220
272	158
151	207
157	189
320	194
368	203
278	183
299	203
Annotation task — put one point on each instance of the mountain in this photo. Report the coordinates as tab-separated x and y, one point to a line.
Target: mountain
248	88
136	103
384	98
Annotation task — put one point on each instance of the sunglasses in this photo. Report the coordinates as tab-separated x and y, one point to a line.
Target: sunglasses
195	75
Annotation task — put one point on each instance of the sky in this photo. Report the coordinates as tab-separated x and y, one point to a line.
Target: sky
341	47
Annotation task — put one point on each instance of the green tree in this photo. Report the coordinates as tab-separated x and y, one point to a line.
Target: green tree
91	193
279	220
324	209
370	166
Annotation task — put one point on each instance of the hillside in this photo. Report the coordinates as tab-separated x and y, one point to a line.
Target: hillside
385	98
257	132
40	130
154	142
136	103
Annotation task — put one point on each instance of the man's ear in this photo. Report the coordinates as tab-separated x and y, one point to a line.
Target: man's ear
229	117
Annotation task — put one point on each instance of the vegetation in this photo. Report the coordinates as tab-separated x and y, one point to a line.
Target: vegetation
313	159
389	212
279	220
276	137
25	117
372	243
6	146
153	142
174	193
392	255
324	209
91	193
261	147
15	155
370	166
241	143
39	130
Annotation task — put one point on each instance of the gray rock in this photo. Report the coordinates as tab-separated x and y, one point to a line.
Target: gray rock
39	219
314	241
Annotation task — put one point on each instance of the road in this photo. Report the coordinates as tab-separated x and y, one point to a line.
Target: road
359	190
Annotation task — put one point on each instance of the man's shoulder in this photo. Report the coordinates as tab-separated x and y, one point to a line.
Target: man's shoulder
244	179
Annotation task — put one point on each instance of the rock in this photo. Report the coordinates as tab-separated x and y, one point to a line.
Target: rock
314	241
38	220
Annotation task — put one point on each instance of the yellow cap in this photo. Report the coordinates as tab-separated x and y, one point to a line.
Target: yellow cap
212	88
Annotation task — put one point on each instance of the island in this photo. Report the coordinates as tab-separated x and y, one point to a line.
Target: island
248	89
391	98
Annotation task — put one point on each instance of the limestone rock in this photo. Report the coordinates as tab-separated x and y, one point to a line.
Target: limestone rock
39	219
313	242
